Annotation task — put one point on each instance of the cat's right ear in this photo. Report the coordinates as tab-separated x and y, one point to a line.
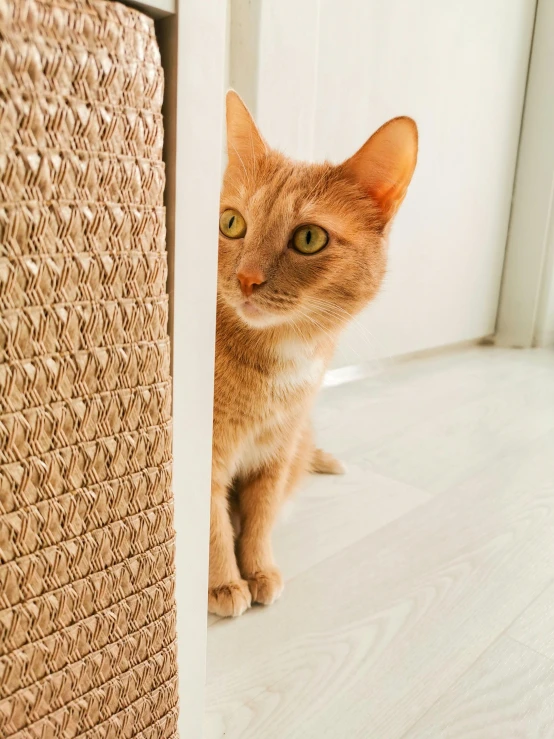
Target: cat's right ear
244	141
385	164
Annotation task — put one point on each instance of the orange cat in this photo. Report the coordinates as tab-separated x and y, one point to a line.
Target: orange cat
302	248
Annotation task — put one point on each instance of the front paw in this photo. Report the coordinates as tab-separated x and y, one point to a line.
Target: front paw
266	585
231	599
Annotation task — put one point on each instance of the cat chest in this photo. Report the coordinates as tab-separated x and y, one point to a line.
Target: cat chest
285	406
258	448
265	441
301	372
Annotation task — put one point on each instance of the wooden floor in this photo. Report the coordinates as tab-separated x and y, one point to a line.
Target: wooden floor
420	586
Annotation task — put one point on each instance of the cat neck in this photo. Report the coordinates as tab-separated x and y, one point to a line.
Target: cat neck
272	346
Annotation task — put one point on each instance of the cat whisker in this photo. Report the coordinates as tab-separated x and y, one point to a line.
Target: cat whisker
254	163
332	336
235	188
314	189
341	314
331	305
297	330
334	307
242	163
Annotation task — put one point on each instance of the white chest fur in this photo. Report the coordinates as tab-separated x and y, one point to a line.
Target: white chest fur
298	366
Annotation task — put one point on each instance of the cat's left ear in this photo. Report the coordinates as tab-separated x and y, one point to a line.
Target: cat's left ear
244	141
385	164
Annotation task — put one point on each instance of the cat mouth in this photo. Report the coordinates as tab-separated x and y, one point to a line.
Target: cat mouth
251	313
255	316
249	309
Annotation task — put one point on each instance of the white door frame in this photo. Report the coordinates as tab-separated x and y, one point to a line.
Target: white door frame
192	38
529	264
195	71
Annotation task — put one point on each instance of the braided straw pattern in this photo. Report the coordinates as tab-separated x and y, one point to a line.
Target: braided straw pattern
87	613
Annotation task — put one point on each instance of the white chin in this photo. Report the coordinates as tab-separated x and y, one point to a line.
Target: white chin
257	318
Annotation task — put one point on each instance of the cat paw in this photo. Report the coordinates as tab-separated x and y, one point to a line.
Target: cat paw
231	599
266	586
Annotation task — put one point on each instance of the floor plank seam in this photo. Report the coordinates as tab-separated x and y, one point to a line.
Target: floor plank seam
458	680
524	645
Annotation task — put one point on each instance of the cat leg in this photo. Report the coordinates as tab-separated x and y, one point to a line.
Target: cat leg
260	499
228	593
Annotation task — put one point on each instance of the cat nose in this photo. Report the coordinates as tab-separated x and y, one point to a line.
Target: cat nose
249	279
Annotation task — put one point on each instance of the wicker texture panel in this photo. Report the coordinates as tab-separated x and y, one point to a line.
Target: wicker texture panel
87	613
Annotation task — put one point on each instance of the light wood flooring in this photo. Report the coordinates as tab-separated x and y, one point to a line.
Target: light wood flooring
420	586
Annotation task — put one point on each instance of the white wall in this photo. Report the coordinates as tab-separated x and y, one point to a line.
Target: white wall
544	335
548	337
526	314
331	71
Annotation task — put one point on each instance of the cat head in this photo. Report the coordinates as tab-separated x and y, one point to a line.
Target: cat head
306	243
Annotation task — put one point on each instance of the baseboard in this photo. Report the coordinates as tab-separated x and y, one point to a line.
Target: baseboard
546	339
354	372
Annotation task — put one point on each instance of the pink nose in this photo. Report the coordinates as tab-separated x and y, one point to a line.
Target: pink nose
249	279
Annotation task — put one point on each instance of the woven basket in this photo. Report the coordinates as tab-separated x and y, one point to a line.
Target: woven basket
87	613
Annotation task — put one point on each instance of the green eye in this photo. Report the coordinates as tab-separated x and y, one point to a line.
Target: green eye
309	239
232	224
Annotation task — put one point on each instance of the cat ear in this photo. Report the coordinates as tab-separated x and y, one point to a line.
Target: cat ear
244	142
385	164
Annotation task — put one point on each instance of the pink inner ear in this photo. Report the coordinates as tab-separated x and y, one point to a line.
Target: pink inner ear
385	164
390	197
